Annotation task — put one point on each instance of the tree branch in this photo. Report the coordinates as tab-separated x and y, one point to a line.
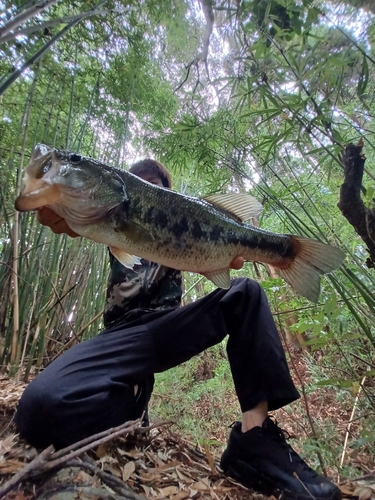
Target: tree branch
351	204
207	7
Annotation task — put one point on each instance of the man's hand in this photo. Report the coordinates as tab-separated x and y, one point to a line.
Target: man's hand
237	263
48	217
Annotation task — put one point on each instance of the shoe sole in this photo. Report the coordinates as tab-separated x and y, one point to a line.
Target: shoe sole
264	484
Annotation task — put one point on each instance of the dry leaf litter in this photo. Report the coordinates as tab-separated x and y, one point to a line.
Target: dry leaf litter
157	464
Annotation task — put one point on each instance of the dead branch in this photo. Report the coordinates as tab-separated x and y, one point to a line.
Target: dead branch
117	485
351	204
38	461
188	68
48	459
60	457
207	7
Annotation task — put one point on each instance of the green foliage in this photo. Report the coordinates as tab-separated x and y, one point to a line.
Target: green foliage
203	383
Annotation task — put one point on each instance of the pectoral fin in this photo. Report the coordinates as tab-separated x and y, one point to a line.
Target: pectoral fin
137	233
124	258
240	205
220	278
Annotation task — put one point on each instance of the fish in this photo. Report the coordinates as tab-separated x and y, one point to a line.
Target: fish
137	219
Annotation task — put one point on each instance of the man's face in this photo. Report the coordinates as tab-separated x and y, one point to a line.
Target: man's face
152	178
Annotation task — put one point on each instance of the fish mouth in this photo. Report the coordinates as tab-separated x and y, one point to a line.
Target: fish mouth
38	190
36	194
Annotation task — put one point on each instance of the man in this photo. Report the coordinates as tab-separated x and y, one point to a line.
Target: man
108	380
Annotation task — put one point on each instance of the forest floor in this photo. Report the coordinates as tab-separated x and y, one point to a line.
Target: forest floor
159	464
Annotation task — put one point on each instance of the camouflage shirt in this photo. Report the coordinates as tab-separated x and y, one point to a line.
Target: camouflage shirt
146	287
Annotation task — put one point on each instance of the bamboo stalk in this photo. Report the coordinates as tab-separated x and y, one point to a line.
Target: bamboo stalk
25	15
347	433
33	59
26	121
48	24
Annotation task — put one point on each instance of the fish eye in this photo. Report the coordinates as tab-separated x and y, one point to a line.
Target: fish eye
75	158
46	167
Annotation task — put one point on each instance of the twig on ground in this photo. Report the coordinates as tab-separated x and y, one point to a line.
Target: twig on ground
116	484
38	461
64	457
48	459
126	427
303	485
371	475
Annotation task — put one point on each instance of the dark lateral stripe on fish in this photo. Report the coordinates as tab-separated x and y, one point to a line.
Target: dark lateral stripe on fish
155	217
197	232
180	228
281	247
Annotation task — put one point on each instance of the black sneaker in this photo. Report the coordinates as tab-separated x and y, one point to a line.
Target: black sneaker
262	459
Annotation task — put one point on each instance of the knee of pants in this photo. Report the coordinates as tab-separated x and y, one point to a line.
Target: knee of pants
35	415
248	287
247	283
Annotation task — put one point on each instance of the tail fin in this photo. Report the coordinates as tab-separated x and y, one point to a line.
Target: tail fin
312	259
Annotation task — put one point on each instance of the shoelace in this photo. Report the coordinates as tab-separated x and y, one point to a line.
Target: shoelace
280	436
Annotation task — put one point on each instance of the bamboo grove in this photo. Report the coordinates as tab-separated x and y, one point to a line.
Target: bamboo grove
259	96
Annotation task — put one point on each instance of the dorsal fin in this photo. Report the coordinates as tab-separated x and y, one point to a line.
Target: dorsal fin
243	206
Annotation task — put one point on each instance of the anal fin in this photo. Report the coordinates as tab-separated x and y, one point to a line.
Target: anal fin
124	258
220	278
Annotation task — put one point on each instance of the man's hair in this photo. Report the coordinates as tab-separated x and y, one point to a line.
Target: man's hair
149	166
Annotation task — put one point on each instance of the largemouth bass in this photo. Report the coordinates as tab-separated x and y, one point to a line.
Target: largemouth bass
136	218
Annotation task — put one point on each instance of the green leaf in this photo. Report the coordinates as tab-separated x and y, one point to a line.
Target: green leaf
297	25
292	100
337	382
364	77
312	15
370	193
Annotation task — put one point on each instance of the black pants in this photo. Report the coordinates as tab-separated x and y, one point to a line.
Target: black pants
90	387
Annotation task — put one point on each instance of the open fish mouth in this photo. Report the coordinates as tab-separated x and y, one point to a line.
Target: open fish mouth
47	183
37	193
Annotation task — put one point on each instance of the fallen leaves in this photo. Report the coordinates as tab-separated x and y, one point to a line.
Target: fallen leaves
6	445
165	466
160	465
364	490
128	470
